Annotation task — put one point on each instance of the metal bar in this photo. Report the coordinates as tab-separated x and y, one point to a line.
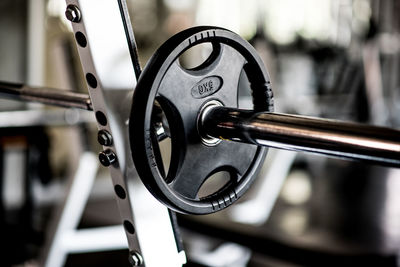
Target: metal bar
130	37
335	138
147	223
46	96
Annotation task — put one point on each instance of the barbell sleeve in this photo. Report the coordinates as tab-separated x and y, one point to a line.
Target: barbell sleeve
324	136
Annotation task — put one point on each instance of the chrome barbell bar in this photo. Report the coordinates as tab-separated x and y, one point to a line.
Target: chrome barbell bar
373	144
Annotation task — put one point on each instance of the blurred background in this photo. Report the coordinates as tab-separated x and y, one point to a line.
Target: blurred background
334	59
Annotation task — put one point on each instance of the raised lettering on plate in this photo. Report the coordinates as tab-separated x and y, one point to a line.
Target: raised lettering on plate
206	87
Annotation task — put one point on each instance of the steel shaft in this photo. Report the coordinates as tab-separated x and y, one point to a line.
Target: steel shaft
330	137
47	96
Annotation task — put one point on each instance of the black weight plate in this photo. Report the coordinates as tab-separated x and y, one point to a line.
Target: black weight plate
182	93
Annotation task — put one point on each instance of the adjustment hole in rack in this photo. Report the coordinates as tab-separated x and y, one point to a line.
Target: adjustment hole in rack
80	39
129	227
101	118
91	80
119	190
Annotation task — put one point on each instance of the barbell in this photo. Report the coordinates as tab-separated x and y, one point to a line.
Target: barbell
198	108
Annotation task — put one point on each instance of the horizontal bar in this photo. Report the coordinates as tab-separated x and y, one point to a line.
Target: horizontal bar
330	137
46	96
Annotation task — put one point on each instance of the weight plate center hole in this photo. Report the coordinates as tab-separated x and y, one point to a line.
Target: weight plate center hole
205	138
